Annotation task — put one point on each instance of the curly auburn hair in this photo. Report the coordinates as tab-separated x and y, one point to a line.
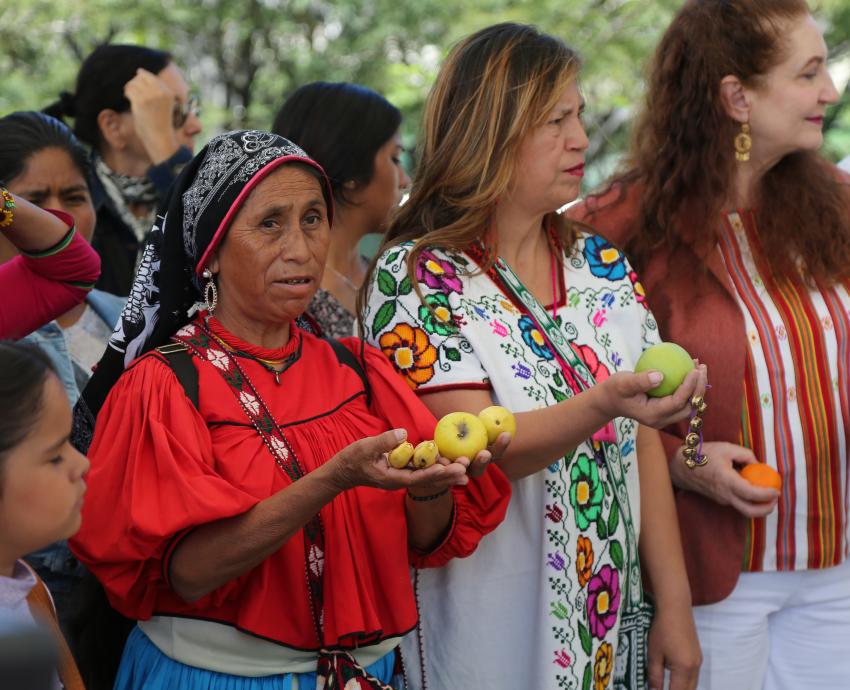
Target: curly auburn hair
682	156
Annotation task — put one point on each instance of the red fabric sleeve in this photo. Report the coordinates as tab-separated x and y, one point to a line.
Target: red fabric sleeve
38	288
153	476
480	506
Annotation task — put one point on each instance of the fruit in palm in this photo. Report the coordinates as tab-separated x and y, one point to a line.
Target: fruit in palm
460	434
497	419
400	456
671	360
425	454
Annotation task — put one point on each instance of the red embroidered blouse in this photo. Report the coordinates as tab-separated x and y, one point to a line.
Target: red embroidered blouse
161	467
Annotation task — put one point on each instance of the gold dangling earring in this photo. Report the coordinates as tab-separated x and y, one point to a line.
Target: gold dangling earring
743	144
210	288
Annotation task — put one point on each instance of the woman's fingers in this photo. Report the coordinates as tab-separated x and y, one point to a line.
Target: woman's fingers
500	445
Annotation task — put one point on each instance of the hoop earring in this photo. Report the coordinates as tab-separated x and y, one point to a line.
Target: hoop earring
743	144
210	288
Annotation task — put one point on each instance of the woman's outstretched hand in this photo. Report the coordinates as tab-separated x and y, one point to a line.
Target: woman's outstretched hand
364	463
624	394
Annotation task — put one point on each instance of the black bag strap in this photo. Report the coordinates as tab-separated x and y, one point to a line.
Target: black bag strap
178	358
346	357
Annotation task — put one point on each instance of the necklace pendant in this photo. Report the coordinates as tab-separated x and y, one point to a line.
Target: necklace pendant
277	377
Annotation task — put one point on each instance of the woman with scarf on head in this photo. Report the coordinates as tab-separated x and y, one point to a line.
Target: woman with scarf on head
133	107
243	510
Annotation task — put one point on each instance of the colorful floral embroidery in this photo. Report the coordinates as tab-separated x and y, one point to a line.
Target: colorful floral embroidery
584	560
591	359
467	320
436	315
640	293
534	338
411	353
604	259
438	274
603	666
603	601
586	492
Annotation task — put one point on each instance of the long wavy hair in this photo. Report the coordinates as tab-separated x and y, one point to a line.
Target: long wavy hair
682	155
492	90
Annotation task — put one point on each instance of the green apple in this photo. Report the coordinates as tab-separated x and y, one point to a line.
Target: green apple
425	454
400	455
497	419
671	360
460	434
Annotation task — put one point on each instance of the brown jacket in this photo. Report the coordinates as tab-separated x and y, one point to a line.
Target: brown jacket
43	610
696	307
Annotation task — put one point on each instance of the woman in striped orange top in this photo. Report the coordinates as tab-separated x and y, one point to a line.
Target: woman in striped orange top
741	233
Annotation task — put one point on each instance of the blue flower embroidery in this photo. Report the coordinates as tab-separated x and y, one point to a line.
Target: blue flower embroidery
604	259
534	338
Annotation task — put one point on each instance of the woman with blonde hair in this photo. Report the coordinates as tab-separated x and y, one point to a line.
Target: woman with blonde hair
742	233
456	302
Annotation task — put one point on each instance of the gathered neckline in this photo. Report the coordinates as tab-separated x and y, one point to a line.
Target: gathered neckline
244	347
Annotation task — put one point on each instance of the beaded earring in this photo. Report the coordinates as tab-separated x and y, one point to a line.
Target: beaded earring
210	291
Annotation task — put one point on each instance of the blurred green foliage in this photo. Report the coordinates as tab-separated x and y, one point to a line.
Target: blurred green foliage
244	56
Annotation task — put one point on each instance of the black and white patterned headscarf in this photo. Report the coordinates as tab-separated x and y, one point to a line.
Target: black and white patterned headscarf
199	209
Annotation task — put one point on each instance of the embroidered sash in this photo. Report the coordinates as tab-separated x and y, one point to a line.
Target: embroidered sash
636	613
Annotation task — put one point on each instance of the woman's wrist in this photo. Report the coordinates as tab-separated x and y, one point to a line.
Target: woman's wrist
330	478
424	495
598	402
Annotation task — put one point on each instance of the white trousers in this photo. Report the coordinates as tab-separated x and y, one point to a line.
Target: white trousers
779	631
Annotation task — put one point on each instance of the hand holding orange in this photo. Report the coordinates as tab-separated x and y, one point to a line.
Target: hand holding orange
761	475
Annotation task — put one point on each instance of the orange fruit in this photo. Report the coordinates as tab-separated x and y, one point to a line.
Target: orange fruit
762	475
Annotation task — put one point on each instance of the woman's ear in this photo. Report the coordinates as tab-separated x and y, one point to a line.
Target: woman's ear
111	128
735	98
212	264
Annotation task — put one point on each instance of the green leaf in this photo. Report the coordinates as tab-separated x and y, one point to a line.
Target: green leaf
392	257
587	678
383	317
405	287
613	518
386	283
617	555
584	636
559	396
601	528
452	354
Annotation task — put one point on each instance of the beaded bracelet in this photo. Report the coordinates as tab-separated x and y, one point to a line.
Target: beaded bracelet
693	441
432	497
7	210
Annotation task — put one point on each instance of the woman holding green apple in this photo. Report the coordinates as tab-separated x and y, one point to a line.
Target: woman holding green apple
483	294
741	231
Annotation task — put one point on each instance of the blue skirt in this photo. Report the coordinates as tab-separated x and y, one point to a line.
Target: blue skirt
143	666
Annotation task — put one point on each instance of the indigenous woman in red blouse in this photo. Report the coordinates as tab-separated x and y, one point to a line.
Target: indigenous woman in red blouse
243	510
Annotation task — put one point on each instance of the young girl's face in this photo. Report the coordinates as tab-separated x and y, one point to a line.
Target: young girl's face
41	480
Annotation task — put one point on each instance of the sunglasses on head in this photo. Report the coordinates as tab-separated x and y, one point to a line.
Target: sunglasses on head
182	111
